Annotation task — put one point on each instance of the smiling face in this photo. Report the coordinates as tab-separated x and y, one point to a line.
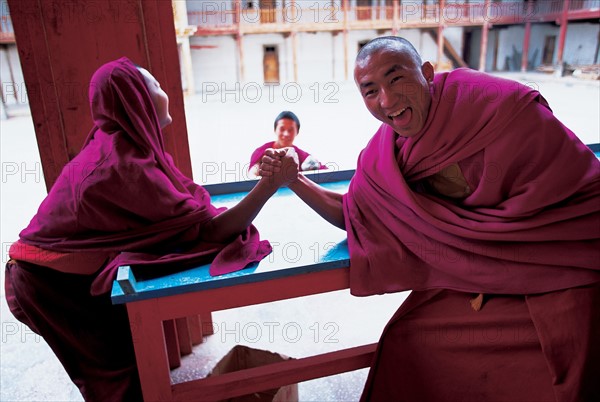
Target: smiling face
395	88
286	131
159	98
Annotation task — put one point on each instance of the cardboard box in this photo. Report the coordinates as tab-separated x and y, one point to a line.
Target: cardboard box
243	357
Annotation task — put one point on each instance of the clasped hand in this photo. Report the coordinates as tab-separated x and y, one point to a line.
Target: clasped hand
279	165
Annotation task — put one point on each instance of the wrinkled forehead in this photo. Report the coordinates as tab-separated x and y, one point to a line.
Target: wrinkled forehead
395	53
380	60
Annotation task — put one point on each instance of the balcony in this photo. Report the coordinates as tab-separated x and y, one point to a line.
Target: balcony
222	20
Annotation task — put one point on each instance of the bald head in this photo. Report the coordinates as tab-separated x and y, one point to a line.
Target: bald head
388	43
394	83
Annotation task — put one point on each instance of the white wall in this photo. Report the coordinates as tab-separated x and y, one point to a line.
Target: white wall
510	49
536	45
14	92
315	57
455	36
581	42
215	65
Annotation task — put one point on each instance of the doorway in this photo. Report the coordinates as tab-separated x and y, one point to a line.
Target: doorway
549	45
271	64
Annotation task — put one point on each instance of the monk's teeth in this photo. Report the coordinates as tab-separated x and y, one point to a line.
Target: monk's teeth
398	113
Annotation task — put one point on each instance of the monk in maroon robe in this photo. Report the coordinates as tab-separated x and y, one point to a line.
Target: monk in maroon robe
121	201
475	197
287	128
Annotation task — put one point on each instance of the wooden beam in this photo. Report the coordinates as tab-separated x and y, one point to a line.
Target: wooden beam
60	47
564	21
448	49
275	375
527	38
345	7
484	35
440	38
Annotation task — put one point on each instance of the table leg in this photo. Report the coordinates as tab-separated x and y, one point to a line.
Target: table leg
184	336
206	322
195	329
150	350
172	344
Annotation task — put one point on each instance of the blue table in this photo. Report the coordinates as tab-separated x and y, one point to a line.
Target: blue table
310	256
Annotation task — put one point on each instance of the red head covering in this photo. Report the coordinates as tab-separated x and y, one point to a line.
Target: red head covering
531	225
123	193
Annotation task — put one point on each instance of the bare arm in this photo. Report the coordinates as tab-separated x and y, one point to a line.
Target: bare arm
235	220
326	203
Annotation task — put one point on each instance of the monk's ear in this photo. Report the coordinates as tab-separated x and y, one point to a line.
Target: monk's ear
427	70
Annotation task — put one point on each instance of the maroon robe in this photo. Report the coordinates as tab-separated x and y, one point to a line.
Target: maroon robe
123	196
527	235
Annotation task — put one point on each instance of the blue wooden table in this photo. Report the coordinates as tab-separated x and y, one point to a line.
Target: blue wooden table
309	256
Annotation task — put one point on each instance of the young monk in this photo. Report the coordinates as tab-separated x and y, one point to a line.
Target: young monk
287	128
475	197
120	201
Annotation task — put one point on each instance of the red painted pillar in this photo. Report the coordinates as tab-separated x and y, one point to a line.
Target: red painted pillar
345	7
440	44
563	33
237	8
60	46
484	35
527	39
395	17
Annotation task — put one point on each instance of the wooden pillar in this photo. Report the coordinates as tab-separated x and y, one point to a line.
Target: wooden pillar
484	35
345	6
237	4
294	43
11	73
395	17
563	34
183	31
527	39
440	41
60	47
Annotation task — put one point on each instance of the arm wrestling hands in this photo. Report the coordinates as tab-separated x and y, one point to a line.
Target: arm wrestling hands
237	218
326	203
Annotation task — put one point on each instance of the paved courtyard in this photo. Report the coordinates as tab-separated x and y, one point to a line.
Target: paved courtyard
224	128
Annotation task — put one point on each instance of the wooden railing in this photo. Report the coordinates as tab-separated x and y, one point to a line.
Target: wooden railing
328	17
221	17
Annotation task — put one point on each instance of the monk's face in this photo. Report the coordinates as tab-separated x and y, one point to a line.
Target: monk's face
286	131
395	89
159	98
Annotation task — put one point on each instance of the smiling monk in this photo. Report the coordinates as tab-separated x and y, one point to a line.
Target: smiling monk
473	195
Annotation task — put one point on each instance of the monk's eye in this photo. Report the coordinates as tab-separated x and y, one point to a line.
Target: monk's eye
396	79
369	92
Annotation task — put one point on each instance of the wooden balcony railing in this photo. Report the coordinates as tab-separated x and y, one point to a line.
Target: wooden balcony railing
7	33
272	17
221	17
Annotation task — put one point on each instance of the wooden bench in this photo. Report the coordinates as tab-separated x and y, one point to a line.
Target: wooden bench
153	301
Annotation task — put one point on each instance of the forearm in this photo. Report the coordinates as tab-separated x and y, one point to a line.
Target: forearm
326	203
236	219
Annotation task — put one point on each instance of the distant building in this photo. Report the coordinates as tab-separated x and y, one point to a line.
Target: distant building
228	43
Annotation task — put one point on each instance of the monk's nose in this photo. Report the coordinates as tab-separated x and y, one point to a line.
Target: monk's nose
385	98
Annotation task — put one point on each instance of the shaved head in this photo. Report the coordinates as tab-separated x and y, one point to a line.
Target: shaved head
395	83
392	43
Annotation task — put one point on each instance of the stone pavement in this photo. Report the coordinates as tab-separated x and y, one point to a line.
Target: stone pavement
223	129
